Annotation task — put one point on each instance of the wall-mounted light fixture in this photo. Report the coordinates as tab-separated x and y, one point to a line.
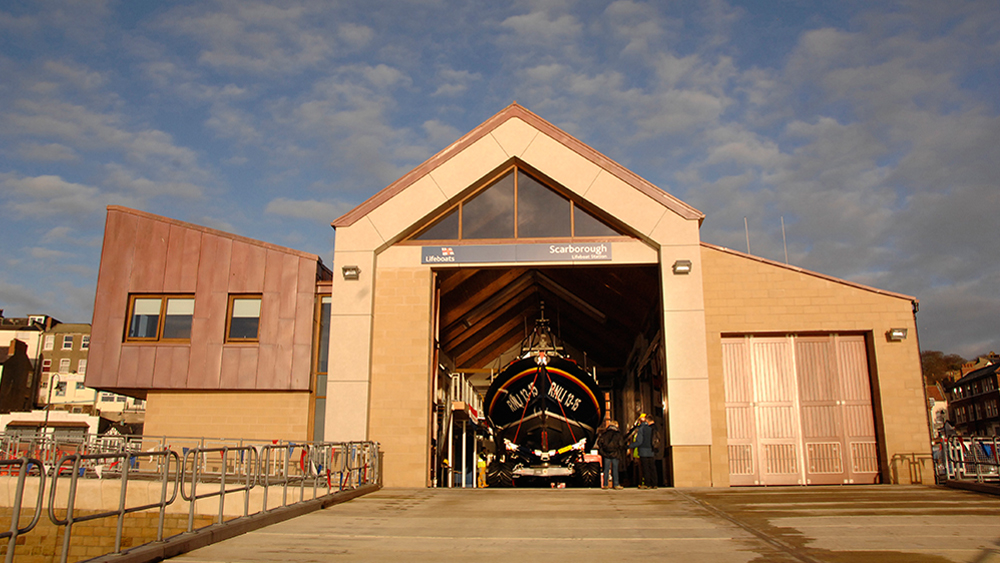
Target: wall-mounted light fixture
895	334
351	272
682	267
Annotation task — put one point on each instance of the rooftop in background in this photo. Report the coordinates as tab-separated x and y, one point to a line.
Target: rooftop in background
42	322
71	328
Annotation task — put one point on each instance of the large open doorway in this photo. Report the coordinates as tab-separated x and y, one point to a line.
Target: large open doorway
608	319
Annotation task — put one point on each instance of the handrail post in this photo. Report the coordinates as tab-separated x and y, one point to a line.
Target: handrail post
126	463
222	484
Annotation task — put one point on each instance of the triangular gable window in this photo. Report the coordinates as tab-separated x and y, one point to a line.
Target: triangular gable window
516	205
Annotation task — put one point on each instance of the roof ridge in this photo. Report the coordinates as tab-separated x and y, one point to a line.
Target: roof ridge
515	110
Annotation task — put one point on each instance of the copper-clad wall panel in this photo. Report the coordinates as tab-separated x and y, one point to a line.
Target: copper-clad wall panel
144	371
127	377
229	379
108	325
181	267
150	257
246	369
144	253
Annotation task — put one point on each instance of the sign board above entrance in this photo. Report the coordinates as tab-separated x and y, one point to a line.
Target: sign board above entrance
490	253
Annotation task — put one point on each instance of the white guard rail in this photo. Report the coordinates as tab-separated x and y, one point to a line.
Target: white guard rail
967	459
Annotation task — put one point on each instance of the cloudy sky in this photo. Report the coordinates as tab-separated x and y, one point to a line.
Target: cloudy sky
871	128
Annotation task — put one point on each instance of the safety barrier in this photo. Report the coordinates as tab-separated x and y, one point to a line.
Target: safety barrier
968	458
127	464
303	472
24	465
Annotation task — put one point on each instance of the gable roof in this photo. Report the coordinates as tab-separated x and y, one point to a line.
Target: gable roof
517	111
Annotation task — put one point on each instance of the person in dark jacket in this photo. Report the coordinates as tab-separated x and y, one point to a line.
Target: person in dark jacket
642	442
610	446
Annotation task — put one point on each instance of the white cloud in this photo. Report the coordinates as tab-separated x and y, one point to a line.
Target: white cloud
128	181
544	28
44	196
440	134
76	76
48	152
264	38
455	82
48	253
311	209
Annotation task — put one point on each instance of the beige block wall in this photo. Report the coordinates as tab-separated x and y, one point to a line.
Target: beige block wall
687	463
745	295
247	415
399	410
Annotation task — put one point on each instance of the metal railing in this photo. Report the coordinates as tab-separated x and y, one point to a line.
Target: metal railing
967	458
24	467
206	470
128	466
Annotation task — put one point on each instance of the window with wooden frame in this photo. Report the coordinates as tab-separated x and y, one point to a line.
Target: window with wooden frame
155	318
67	343
243	320
515	205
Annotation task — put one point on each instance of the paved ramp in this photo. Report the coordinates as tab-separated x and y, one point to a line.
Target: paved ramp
886	524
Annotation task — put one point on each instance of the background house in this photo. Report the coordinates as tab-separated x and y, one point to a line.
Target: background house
974	400
16	375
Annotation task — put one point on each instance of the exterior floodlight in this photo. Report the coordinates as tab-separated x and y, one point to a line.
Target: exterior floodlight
682	267
351	272
896	334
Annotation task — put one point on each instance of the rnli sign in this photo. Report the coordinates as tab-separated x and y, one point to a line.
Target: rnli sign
550	252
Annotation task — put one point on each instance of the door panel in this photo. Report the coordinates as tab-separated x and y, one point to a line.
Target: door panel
798	410
740	422
776	411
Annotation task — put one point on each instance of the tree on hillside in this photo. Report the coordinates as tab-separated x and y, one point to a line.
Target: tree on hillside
938	366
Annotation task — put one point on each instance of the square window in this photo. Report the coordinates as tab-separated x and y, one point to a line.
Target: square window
177	323
145	321
244	318
159	317
80	386
61	389
67	343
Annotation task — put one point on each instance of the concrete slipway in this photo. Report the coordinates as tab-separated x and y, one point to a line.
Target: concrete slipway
887	524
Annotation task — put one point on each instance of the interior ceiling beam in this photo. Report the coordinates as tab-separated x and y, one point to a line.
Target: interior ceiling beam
504	332
475	290
450	279
497	298
458	333
597	311
572	298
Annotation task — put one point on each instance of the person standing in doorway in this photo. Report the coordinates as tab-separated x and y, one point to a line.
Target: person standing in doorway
609	445
642	444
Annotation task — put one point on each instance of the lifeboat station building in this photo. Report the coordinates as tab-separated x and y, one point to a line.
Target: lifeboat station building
757	372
